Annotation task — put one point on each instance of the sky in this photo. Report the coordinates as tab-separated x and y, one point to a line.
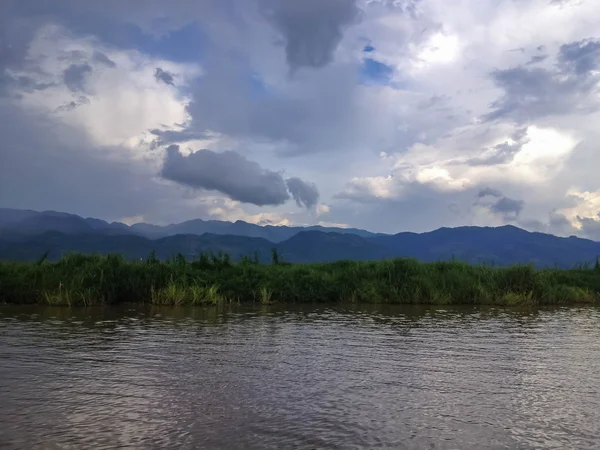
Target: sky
387	115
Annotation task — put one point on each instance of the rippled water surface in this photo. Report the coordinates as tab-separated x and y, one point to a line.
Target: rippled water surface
310	377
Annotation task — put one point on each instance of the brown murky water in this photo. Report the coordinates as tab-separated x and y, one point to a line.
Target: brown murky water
301	377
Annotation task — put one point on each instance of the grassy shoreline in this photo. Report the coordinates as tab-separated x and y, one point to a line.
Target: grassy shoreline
93	279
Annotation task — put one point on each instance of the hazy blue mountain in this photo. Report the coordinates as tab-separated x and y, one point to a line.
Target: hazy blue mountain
112	227
27	222
499	246
238	228
9	217
492	245
316	246
305	247
132	247
53	222
34	222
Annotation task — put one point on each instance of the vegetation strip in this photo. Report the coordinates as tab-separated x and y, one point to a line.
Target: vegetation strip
213	279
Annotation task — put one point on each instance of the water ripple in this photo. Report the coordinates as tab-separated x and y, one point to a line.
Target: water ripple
305	377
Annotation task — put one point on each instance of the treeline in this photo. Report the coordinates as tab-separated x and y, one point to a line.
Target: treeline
79	279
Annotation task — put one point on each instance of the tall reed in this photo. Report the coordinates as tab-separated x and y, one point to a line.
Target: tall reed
213	279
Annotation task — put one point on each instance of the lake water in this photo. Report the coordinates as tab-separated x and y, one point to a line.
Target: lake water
300	377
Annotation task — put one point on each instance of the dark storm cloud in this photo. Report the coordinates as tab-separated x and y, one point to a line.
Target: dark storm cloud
489	191
166	137
309	117
533	92
312	29
508	206
519	134
558	222
74	76
164	76
590	227
28	84
504	206
229	173
503	152
537	59
499	154
15	36
103	59
304	193
580	57
14	39
73	104
526	92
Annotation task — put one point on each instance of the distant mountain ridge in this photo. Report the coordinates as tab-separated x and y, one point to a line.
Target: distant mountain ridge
30	222
27	235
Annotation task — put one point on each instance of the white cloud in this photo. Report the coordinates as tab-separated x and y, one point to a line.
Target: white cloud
441	178
525	166
333	224
369	188
544	153
323	209
587	207
122	102
230	210
439	49
130	220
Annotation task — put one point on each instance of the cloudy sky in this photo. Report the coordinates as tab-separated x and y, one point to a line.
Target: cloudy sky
378	114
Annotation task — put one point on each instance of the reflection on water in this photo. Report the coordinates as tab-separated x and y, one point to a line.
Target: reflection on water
299	377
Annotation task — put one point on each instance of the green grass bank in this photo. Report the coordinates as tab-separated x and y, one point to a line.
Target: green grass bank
92	279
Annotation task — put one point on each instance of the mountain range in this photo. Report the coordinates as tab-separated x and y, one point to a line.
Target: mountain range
27	235
33	222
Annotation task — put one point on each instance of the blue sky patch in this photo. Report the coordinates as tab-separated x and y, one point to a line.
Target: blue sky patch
258	87
375	72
